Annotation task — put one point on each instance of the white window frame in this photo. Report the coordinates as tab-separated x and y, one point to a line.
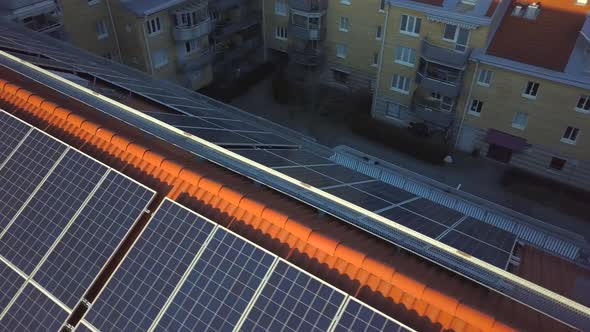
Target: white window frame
379	32
102	23
281	32
518	125
281	8
585	100
476	111
455	39
486	74
574	132
397	113
344	24
162	63
526	92
406	53
193	46
375	59
341	51
410	29
398	80
382	6
154	26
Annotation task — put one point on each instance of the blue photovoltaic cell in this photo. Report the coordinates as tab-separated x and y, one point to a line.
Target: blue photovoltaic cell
358	317
33	311
12	132
220	286
92	238
10	283
39	224
24	171
292	300
139	288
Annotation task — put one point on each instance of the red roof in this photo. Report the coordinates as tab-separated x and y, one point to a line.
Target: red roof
546	41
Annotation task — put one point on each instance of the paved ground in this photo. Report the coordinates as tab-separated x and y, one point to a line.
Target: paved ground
477	176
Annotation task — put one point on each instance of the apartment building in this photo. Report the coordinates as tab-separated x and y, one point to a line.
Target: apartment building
38	15
505	78
187	42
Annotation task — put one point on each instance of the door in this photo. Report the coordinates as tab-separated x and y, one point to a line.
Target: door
499	153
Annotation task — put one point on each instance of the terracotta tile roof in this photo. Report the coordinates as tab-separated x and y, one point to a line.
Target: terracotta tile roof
405	286
546	41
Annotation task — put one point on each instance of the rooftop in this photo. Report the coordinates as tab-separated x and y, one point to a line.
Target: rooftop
546	41
478	12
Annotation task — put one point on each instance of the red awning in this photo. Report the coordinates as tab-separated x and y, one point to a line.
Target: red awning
511	142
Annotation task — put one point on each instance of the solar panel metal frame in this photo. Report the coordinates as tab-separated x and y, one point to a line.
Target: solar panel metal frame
12	149
402	327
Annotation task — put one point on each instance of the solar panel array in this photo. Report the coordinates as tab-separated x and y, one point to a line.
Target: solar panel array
186	273
63	216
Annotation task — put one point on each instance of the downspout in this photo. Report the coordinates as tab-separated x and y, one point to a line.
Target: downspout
381	51
264	53
466	105
147	46
114	31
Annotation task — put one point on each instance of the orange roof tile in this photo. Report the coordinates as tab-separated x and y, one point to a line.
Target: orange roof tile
546	41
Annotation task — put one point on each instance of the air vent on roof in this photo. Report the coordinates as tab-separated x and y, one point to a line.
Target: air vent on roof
532	11
517	10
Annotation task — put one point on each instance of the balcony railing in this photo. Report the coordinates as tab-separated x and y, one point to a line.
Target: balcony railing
311	32
438	84
431	111
228	28
182	33
309	5
451	58
194	62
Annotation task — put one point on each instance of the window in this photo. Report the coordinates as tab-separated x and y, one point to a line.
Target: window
160	58
475	107
101	29
344	23
153	26
191	46
93	2
281	33
405	56
410	25
459	36
340	76
400	84
531	90
395	111
341	51
280	8
570	135
520	120
382	5
485	77
557	163
375	59
379	33
583	104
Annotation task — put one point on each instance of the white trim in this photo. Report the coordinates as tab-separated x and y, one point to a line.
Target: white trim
531	97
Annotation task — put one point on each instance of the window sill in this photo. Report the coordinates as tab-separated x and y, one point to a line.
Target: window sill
160	66
524	95
515	126
154	34
403	63
581	110
347	3
281	38
92	3
474	113
483	84
101	37
567	141
400	91
382	11
409	33
341	56
342	30
281	14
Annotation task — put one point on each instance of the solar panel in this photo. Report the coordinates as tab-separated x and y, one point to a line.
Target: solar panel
435	211
219	287
359	317
39	224
140	286
487	233
171	100
476	248
24	171
220	136
183	120
359	198
342	174
12	131
266	138
414	221
293	300
10	283
308	176
33	311
385	191
265	158
302	157
234	124
89	242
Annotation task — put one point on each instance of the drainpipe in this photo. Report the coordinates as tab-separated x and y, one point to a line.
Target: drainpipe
264	53
466	105
147	46
377	83
108	2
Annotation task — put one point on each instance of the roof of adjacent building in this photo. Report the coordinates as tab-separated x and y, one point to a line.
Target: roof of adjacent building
148	7
547	41
457	9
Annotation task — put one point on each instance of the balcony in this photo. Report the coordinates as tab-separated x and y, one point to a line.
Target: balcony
445	56
309	5
194	62
234	52
183	33
433	112
306	57
311	32
227	28
442	79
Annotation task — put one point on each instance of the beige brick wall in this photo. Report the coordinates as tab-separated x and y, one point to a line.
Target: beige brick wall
271	22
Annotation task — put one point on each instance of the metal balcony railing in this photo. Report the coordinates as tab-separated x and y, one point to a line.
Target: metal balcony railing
309	5
449	57
182	33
